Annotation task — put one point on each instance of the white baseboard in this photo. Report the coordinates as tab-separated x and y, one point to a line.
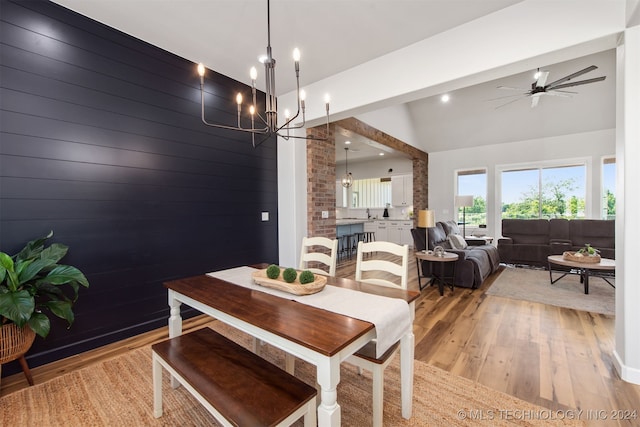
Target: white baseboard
628	374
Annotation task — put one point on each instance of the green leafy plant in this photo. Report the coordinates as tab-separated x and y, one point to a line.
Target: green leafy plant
31	284
588	250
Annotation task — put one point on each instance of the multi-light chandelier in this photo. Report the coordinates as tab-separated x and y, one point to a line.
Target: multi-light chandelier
269	120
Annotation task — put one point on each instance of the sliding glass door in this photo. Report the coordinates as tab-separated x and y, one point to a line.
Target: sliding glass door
544	192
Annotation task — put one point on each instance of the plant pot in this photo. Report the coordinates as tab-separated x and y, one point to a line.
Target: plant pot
14	343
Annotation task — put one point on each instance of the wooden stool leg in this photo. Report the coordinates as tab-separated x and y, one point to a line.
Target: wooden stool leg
25	369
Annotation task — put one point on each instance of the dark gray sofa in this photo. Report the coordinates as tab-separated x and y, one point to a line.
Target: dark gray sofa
474	263
531	241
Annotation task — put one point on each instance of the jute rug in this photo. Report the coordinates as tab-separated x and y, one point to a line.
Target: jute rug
118	392
533	285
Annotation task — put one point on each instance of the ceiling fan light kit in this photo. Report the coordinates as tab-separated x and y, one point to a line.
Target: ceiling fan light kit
555	88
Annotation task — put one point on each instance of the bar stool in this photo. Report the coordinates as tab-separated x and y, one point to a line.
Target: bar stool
369	236
352	244
358	237
344	246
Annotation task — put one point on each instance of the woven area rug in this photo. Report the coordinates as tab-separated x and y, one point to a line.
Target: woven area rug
533	285
118	392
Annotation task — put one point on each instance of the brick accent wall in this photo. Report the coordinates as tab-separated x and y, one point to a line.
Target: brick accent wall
321	173
321	182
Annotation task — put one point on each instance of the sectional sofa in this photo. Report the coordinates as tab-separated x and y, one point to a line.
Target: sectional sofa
474	264
531	241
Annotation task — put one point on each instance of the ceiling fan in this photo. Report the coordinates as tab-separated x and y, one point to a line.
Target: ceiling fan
540	86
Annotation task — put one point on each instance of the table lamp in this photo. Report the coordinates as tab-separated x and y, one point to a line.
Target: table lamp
464	202
426	219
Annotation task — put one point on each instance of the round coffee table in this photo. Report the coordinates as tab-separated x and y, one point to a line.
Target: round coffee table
446	257
582	268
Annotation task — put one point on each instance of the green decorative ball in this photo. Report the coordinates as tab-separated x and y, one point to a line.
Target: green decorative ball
289	275
273	271
306	277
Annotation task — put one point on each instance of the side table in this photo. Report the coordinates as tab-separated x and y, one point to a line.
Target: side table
446	257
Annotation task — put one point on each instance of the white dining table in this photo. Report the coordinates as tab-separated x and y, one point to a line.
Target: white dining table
315	335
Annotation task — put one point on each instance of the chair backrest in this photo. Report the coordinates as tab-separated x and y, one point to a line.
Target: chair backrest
381	259
326	257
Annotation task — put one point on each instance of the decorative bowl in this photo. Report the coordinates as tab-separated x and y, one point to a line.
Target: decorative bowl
296	288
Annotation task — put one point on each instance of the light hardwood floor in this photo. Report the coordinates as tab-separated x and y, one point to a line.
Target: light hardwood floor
553	357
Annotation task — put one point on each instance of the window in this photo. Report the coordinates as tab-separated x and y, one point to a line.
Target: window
609	188
549	192
473	182
370	193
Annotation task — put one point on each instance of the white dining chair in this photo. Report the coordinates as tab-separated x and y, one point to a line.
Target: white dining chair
326	255
387	264
311	251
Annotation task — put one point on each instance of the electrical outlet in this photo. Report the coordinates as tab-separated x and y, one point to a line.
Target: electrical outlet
325	214
265	216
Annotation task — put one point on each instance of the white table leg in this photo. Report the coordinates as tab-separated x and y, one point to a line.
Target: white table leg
328	377
406	373
175	325
157	386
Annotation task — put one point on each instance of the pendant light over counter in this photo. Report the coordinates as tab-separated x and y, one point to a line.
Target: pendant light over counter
347	178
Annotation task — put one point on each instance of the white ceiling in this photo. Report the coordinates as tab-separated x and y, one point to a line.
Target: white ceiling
471	118
336	35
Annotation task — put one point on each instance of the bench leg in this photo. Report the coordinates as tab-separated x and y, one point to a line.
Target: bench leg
157	386
310	415
289	363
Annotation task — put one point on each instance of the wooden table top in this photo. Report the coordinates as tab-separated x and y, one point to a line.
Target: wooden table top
330	332
604	264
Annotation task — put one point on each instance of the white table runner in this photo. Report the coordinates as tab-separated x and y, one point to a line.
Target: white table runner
391	316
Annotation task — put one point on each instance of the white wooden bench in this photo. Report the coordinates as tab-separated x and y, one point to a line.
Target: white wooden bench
235	385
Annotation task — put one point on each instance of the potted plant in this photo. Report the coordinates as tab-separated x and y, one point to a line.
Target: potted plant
31	287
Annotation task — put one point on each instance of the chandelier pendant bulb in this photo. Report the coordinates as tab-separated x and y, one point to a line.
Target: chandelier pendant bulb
270	118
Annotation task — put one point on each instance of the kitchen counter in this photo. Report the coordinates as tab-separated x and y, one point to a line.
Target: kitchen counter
351	221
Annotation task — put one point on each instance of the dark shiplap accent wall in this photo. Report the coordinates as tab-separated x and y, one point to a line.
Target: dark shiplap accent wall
102	142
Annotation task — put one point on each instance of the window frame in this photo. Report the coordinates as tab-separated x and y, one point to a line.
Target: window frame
547	164
472	171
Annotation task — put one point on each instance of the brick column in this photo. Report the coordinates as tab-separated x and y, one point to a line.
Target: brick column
321	183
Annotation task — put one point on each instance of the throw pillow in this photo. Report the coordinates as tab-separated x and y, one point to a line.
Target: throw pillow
457	241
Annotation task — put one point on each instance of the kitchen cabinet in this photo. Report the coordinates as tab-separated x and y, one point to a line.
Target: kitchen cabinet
394	231
381	231
402	190
406	238
400	232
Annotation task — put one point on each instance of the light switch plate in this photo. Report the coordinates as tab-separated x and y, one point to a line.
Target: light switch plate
325	214
265	216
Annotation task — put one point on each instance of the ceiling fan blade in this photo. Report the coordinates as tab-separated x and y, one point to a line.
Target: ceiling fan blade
506	96
562	91
525	91
542	78
571	76
534	101
558	93
581	82
510	102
